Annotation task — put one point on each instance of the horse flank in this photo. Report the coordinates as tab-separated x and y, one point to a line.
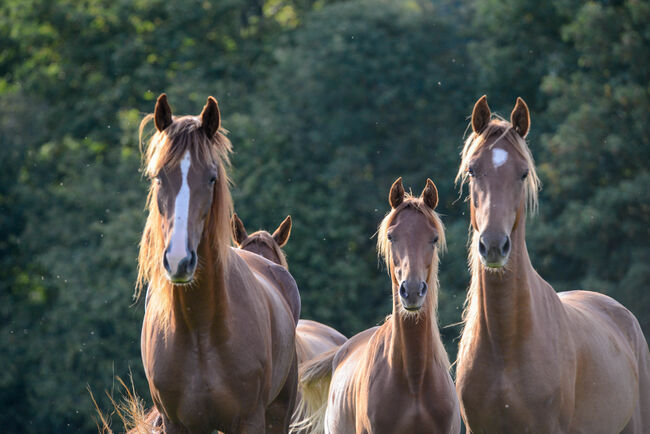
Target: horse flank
164	149
499	129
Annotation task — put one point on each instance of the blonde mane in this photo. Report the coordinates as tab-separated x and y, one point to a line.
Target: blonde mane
267	239
498	129
384	253
166	148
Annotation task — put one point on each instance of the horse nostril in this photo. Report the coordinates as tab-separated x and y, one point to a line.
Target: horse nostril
505	247
402	290
192	259
481	247
423	288
166	262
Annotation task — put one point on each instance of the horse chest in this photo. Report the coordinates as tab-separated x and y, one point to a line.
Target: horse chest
512	399
199	386
431	409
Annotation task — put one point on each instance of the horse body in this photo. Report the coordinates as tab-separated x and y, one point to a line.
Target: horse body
532	360
218	333
201	375
394	378
547	362
376	388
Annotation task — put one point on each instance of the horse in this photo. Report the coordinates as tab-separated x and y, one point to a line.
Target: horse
531	359
394	378
312	337
218	333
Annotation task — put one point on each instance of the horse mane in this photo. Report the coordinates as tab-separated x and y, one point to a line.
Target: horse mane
496	130
166	148
384	253
267	239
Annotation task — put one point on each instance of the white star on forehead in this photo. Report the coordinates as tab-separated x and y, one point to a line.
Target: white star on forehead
499	157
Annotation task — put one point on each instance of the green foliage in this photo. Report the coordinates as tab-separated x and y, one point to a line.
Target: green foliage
338	125
327	103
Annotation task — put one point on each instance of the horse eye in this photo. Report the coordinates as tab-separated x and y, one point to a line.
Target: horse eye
156	179
434	241
389	237
470	171
213	179
525	175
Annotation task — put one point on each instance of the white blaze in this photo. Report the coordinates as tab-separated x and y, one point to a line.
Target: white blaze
499	156
178	244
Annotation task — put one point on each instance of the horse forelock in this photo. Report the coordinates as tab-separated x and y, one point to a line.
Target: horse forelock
166	148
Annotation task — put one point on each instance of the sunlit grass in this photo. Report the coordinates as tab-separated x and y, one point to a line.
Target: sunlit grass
129	408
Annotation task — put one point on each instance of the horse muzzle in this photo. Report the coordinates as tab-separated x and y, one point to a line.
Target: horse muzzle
412	294
180	272
494	249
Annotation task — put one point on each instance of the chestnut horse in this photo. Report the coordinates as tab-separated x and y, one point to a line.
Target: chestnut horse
531	359
218	333
394	378
312	338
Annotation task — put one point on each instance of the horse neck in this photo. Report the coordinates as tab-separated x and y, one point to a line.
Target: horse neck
506	297
204	304
415	345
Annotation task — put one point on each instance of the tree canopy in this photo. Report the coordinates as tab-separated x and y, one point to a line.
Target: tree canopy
327	103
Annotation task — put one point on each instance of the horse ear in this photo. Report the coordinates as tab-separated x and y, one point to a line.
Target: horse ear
281	234
430	194
520	117
162	113
396	195
480	115
210	117
238	230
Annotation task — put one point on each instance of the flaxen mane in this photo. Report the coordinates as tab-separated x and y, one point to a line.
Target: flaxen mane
495	131
165	149
384	252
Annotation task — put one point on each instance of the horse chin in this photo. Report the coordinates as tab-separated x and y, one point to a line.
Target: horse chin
412	308
181	281
495	265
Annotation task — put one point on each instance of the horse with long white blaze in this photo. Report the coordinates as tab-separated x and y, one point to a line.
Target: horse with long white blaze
531	359
312	337
219	326
394	378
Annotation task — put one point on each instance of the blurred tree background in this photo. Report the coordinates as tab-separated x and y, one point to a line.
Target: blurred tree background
327	103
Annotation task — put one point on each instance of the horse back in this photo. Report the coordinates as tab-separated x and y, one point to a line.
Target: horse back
313	338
